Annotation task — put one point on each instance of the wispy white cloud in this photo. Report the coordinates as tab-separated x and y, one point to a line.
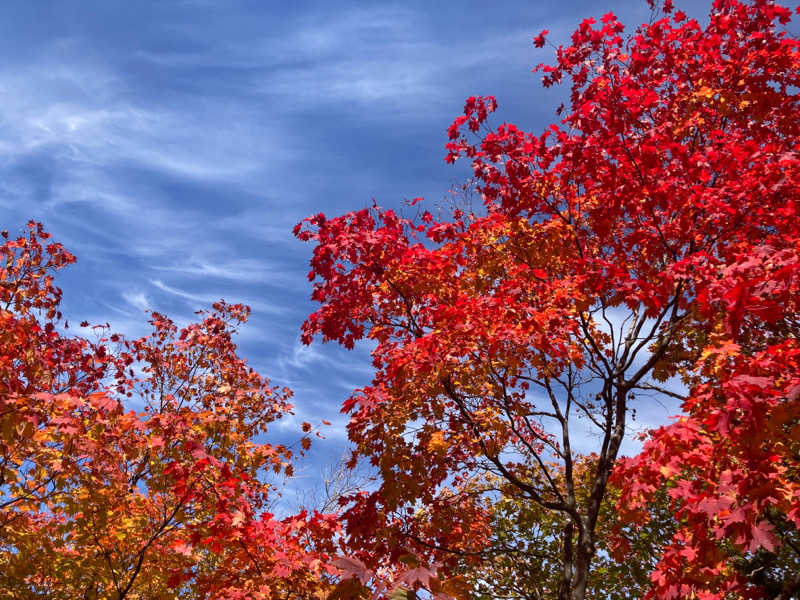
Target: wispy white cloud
137	299
204	300
197	298
242	270
389	59
82	112
301	357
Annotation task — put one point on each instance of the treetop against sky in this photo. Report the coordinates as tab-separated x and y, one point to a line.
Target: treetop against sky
172	147
507	337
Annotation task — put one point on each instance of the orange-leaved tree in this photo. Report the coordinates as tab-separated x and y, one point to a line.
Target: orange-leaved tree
171	500
650	234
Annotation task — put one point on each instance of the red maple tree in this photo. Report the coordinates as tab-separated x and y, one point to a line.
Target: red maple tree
650	234
170	501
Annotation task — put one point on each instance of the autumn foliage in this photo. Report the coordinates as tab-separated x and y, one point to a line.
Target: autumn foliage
645	247
167	501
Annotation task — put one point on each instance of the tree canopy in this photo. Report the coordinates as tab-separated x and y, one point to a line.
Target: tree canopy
170	501
645	245
644	248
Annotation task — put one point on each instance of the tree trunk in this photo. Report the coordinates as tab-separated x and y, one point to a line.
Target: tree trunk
565	585
583	560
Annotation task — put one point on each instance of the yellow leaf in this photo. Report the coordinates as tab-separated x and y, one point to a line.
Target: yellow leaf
437	442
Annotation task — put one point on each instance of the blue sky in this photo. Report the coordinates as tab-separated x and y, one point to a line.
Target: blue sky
173	145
